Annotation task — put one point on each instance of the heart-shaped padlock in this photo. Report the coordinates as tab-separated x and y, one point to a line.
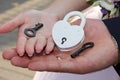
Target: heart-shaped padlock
67	36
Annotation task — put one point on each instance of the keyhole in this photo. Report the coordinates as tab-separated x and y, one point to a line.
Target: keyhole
64	39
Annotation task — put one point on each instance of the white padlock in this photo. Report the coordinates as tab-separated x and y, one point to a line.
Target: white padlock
67	36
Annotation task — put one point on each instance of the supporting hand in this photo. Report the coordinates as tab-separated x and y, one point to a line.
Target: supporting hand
102	55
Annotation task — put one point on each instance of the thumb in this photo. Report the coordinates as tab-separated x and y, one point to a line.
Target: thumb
12	53
12	24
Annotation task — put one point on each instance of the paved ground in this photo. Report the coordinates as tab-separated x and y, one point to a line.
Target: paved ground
8	4
9	9
5	6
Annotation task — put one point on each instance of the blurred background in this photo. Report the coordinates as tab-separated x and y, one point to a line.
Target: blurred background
8	10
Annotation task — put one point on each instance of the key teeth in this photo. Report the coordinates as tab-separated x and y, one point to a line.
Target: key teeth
39	24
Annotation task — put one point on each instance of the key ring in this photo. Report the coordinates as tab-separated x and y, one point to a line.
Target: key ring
31	32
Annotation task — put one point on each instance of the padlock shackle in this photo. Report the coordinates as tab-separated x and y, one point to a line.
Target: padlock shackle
76	13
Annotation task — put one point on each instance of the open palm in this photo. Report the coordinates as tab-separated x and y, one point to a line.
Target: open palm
43	37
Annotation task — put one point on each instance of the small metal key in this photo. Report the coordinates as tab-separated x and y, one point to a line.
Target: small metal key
31	32
84	47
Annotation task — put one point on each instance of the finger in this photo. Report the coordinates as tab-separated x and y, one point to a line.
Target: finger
62	62
8	54
12	24
50	45
22	39
21	45
20	61
30	46
40	44
61	65
52	63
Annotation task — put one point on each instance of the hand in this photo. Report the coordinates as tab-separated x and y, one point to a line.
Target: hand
102	55
43	37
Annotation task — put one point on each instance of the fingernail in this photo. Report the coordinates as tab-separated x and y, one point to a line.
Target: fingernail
20	52
30	55
47	52
37	52
20	55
